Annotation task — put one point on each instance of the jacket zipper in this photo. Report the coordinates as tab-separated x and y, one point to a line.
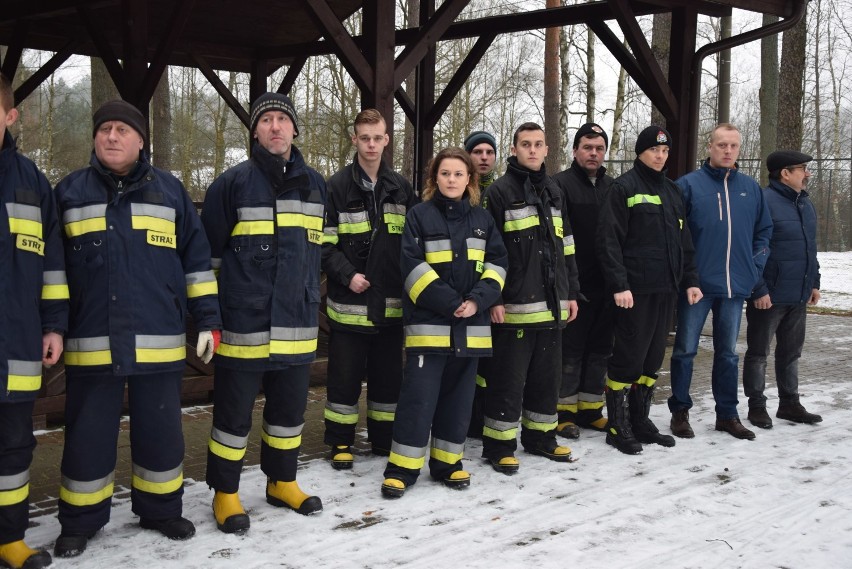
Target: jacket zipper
728	250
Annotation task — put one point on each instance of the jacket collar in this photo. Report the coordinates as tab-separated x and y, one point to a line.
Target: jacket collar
720	173
575	166
786	190
137	173
649	173
451	209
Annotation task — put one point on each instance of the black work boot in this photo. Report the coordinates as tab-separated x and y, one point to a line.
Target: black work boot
619	433
645	431
758	417
796	412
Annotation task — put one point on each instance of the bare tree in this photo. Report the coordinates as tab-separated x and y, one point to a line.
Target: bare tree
660	46
161	125
791	78
552	96
768	95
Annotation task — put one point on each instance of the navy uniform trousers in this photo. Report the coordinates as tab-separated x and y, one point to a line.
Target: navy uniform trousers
93	407
235	392
640	338
16	453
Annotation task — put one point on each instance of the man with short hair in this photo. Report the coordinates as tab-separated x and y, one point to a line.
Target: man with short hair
482	147
789	284
367	203
539	298
264	219
587	341
137	260
731	227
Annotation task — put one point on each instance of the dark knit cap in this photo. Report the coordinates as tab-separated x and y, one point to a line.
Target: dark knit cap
590	128
652	136
784	158
478	137
274	102
123	111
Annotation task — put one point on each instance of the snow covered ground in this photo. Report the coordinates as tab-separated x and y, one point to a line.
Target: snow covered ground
713	501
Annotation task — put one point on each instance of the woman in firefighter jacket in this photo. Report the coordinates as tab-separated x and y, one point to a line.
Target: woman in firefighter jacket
454	264
33	317
137	259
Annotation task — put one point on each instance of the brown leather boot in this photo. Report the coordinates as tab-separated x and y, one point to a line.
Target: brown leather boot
797	413
734	428
680	424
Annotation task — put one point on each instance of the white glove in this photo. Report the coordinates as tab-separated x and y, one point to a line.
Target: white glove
206	346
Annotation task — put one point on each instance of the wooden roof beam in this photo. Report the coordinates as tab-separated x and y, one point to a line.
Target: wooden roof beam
15	51
180	15
37	78
344	46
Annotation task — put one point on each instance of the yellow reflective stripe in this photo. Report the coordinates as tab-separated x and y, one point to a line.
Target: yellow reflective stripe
85	499
445	456
25	227
152	223
475	255
380	415
243	352
507	435
479	342
226	452
393	312
439	257
520	224
281	443
569	250
344	318
420	284
77	228
427	341
202	289
570	407
16	496
23	382
493	275
342	418
538	426
394	218
329	238
360	227
615	385
480	381
292	347
96	358
643	198
300	220
157	487
253	228
646	380
406	462
528	318
158	355
55	292
590	405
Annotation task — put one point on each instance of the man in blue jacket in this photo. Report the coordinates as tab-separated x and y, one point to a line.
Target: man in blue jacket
778	306
730	227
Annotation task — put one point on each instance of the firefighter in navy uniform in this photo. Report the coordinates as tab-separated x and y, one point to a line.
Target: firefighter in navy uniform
362	235
33	318
454	264
264	219
538	300
587	341
137	259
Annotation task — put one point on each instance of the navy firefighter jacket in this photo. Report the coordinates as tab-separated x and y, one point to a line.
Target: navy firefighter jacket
137	259
451	252
33	288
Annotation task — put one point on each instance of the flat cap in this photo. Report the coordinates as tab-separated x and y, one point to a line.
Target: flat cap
783	158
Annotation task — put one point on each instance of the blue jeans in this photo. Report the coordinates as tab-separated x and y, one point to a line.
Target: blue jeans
727	315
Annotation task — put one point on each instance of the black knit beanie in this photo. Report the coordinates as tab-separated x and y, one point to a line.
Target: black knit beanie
590	128
652	136
274	102
478	137
123	111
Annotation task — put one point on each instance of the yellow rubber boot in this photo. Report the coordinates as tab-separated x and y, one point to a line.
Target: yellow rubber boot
18	554
289	495
230	515
393	488
458	480
341	457
508	465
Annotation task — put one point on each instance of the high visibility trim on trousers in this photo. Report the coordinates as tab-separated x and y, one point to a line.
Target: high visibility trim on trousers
157	482
254	221
475	249
87	351
567	403
418	279
152	217
226	445
438	251
54	286
539	421
393	308
590	401
643	198
343	414
616	385
381	411
201	283
88	493
427	336
446	451
494	272
87	219
352	314
478	337
646	380
24	219
293	341
296	213
529	313
14	488
246	346
499	430
480	381
406	456
160	348
329	235
520	219
281	438
354	222
568	247
23	375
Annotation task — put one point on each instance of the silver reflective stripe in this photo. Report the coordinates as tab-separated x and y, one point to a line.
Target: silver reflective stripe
530	308
96	344
394	208
496	268
330	230
590	397
21	211
563	304
216	263
86	212
251	339
540	417
279	333
426	330
152	210
347	308
415	275
410	452
447	446
568	240
254	214
21	367
572	400
357	217
14	481
393	303
437	245
476	243
160	342
228	439
296	206
282	432
89	487
555	212
383	407
341	409
500	425
481	331
157	477
523	213
54	278
200	277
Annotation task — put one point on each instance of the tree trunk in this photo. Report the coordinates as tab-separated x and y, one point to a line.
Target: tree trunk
791	95
768	95
591	93
552	96
618	114
103	89
565	40
161	125
661	32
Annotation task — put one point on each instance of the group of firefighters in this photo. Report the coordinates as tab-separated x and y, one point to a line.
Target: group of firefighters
473	278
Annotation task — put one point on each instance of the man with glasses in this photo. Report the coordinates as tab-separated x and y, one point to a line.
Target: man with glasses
790	284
